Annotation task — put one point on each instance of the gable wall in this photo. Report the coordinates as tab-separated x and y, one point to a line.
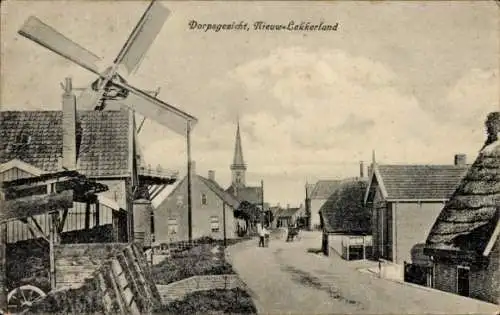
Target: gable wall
316	205
413	222
201	214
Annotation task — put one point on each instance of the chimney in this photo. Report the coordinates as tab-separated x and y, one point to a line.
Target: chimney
211	175
460	159
361	169
69	127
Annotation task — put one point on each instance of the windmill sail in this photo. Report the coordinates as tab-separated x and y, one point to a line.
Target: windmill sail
155	109
51	39
142	36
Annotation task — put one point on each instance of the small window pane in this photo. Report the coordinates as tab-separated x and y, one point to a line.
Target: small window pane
173	227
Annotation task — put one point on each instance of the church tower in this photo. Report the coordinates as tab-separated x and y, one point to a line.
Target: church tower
238	168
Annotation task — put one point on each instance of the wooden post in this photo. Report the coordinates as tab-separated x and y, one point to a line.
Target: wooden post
188	139
364	247
97	214
87	215
54	239
224	222
3	264
262	200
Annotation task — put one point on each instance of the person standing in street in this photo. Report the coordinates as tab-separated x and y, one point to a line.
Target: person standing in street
266	237
260	231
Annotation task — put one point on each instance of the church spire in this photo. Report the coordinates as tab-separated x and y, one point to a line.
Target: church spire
238	151
238	167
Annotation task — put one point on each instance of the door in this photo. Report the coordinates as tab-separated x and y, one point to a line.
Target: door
463	274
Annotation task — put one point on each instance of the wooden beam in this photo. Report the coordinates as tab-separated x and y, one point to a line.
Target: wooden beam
33	205
159	191
52	243
60	225
97	214
3	264
50	183
32	226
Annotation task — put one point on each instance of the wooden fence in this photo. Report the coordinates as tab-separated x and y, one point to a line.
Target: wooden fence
121	284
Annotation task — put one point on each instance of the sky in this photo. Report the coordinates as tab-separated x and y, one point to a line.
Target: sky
413	81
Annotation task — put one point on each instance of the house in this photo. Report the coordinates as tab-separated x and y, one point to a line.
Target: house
98	144
288	216
405	200
346	222
464	242
322	190
238	187
212	211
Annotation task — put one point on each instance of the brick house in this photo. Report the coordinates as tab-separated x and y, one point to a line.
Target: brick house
288	216
464	242
101	145
212	211
405	200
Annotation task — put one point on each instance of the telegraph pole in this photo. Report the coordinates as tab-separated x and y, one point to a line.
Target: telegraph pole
188	136
224	222
262	200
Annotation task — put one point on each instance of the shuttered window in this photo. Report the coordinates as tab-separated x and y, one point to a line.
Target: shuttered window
214	224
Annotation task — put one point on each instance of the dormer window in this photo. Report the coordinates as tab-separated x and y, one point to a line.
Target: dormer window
23	139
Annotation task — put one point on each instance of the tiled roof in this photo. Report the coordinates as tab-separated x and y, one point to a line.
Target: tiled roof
344	211
471	218
104	148
418	182
324	188
288	212
225	196
250	194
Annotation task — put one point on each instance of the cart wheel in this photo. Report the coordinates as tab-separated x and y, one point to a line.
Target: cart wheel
23	297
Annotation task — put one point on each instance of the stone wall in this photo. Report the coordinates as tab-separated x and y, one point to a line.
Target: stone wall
178	290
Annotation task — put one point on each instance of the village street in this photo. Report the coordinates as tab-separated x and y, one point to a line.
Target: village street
290	278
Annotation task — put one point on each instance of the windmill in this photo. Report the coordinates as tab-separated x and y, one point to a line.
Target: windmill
110	84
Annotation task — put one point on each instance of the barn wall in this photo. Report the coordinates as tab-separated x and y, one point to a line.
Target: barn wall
18	231
14	173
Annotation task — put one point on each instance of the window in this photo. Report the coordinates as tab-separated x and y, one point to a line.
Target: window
463	280
23	139
173	227
214	224
203	199
180	200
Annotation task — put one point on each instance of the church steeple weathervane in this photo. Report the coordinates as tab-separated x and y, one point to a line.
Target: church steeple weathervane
238	167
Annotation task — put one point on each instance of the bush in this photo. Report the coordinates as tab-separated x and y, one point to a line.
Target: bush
197	261
84	300
234	301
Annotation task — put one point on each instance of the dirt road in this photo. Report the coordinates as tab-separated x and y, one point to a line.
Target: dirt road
290	278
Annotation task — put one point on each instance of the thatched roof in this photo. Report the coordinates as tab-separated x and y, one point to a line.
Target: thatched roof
470	219
344	211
